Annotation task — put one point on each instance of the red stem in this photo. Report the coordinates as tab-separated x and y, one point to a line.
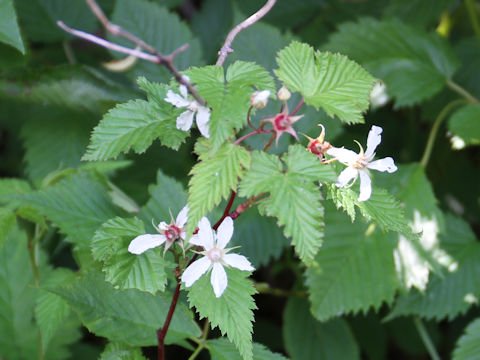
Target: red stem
161	333
298	107
227	210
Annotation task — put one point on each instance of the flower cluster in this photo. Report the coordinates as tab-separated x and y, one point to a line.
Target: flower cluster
215	255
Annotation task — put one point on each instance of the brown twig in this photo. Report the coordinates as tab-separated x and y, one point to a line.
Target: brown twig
227	46
155	56
109	45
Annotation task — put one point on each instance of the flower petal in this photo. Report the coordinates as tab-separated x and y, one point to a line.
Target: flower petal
374	138
185	120
176	100
218	279
365	186
205	234
203	116
224	232
343	155
385	164
238	261
182	217
184	91
346	176
144	242
195	270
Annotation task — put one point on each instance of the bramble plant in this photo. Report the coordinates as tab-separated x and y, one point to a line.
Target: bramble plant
262	232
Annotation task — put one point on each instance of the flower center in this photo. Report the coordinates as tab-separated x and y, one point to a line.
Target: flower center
361	163
281	122
173	233
215	255
193	106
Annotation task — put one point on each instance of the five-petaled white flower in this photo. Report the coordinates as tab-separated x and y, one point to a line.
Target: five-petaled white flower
358	164
215	256
168	234
185	119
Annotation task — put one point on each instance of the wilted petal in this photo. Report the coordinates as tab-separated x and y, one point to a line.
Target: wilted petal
203	116
365	186
195	270
144	242
218	279
374	138
343	155
238	261
176	100
182	217
385	164
185	120
205	234
348	174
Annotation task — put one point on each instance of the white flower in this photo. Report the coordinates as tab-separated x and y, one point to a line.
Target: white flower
215	256
169	233
358	164
259	99
185	119
378	95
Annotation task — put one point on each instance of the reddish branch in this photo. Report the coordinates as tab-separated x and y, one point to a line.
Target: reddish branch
161	333
227	46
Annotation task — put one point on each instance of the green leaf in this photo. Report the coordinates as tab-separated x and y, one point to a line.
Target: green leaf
161	29
133	125
353	271
468	346
413	64
213	179
206	19
77	205
73	88
119	351
9	31
222	349
465	124
251	44
420	12
415	258
229	97
38	18
381	208
259	238
128	316
306	338
145	272
54	143
294	197
12	186
330	81
7	222
458	288
17	299
167	197
50	309
232	312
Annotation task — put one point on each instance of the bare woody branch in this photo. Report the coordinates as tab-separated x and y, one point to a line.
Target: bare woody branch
155	56
227	46
109	45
